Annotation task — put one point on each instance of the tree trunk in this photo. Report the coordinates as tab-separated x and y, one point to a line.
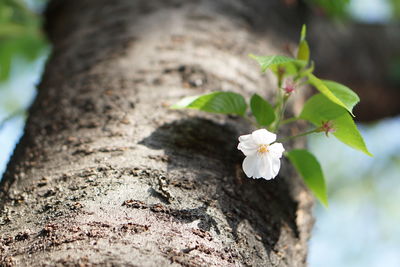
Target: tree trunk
107	175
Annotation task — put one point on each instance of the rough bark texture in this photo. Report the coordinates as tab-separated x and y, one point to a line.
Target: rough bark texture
106	175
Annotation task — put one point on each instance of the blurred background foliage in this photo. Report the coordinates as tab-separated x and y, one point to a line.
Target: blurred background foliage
395	8
334	9
359	10
20	34
23	51
360	228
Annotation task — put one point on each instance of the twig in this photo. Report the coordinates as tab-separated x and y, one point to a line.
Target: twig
316	130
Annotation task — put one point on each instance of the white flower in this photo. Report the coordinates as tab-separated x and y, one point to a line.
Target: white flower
262	159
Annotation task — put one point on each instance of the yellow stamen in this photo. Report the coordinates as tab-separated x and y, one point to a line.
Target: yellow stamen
263	148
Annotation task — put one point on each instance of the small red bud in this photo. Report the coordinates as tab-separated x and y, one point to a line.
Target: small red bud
289	87
327	127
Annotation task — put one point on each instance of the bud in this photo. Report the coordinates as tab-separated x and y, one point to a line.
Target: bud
289	87
327	127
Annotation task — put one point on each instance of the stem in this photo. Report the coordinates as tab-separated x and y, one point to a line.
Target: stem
278	99
298	135
289	120
281	110
281	114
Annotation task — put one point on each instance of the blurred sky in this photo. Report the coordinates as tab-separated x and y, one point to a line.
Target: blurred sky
360	227
371	11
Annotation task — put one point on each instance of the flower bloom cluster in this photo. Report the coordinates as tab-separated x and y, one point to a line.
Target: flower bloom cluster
262	154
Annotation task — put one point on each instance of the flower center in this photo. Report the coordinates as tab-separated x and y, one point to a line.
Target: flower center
263	149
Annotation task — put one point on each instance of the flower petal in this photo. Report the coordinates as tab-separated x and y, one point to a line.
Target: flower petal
263	137
276	165
247	145
250	165
265	167
244	138
276	150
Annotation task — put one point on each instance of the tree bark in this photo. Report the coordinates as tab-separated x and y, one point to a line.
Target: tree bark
107	175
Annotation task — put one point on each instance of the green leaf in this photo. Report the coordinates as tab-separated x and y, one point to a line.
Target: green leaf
269	61
345	94
216	102
320	85
310	169
319	109
262	110
347	132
